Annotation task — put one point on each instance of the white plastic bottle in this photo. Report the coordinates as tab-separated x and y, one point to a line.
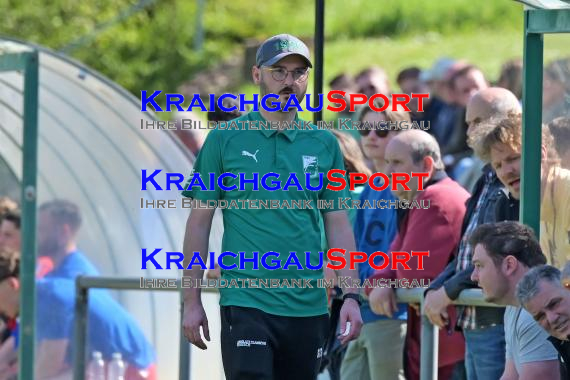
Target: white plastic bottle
116	369
96	367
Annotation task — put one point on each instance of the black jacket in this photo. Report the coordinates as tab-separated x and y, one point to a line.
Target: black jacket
563	348
507	208
455	282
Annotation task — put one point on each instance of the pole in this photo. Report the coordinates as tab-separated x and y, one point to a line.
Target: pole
531	129
319	55
29	194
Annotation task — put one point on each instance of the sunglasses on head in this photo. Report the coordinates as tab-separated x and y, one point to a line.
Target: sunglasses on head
382	133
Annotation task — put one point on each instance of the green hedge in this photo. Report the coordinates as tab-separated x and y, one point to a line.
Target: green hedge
153	48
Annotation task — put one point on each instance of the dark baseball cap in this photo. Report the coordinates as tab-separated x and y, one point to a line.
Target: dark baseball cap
280	46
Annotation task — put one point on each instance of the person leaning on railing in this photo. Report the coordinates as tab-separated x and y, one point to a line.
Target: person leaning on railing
504	252
482	326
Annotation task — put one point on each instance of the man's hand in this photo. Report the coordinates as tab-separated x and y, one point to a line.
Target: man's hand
330	275
350	312
215	273
383	301
435	307
194	318
416	307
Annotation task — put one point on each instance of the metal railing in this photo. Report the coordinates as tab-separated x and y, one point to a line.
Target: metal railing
429	342
82	286
429	336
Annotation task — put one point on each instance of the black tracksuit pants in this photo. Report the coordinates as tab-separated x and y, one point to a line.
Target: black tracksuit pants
261	346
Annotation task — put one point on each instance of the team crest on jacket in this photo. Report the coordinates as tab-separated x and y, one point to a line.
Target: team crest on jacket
310	165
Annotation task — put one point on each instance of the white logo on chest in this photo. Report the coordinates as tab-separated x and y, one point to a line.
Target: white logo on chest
247	154
310	164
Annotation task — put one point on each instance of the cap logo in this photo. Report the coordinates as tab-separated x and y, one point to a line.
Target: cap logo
287	45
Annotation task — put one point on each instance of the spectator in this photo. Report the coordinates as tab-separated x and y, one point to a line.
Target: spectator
375	140
511	77
560	130
372	80
7	204
499	143
556	90
409	81
111	328
369	81
436	230
10	230
342	82
368	357
437	79
10	238
353	163
482	326
465	83
542	294
504	252
58	224
493	102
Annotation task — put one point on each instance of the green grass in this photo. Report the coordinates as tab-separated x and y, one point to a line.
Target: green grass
358	18
153	48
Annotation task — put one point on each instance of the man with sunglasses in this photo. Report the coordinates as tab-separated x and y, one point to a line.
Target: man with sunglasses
271	333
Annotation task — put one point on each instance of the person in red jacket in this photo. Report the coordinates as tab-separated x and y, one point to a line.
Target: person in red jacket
436	230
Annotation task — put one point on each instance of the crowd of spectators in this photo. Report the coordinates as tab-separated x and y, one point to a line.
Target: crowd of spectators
472	152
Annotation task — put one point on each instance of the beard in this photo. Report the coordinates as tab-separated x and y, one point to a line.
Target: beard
499	294
284	93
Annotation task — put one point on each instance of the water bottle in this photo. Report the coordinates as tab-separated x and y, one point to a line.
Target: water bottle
116	369
96	368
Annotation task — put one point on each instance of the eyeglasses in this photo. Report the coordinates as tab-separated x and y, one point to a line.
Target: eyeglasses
280	74
381	133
